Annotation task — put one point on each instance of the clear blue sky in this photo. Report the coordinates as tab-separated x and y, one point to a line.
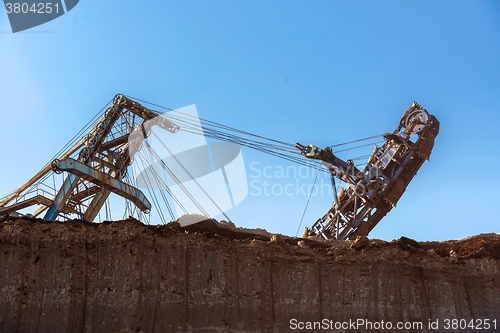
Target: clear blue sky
320	72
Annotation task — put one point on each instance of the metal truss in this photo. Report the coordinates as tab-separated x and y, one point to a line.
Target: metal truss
375	190
94	167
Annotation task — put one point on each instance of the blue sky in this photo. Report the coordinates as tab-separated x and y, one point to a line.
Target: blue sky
321	72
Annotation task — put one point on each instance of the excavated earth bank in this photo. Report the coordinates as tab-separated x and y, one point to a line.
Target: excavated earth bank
212	277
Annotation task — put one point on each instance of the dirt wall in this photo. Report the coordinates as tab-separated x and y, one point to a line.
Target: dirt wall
128	277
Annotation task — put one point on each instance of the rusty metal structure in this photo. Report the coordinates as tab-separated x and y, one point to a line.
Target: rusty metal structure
95	167
98	163
373	191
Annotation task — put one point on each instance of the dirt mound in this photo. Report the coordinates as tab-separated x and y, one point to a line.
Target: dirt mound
480	246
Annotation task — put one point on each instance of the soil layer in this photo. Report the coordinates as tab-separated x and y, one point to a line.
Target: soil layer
125	276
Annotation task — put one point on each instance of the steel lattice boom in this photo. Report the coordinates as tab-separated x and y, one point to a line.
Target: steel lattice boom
375	190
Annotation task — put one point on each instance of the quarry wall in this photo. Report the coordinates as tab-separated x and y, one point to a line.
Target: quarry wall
127	277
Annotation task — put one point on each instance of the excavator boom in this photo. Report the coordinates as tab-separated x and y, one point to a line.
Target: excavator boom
375	190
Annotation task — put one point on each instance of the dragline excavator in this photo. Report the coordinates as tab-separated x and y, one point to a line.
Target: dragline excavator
97	165
375	190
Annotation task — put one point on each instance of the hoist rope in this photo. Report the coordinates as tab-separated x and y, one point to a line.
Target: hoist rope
308	199
191	176
209	129
200	126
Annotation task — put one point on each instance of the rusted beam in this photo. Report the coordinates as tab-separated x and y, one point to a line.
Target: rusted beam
100	178
38	199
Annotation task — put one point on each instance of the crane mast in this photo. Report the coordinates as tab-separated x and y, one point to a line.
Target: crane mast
373	191
95	167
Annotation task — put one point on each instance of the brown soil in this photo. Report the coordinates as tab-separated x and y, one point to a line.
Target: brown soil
124	276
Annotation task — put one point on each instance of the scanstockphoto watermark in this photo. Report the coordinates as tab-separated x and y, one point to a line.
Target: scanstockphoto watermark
290	180
363	325
205	178
359	325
